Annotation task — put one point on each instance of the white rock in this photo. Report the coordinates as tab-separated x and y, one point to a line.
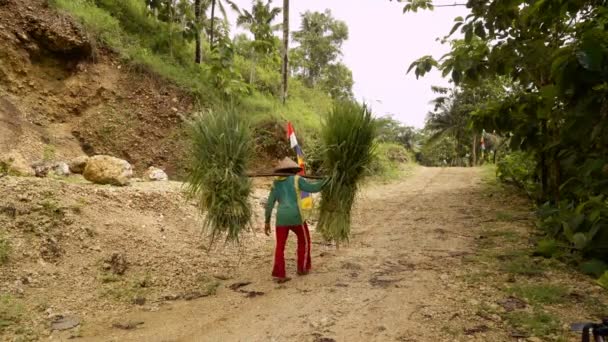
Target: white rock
156	174
61	169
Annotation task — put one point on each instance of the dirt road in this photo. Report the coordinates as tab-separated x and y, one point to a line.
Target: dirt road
395	282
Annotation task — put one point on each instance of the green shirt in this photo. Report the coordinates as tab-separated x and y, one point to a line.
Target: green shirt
284	191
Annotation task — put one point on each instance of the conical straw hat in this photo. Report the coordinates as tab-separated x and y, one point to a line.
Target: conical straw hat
287	165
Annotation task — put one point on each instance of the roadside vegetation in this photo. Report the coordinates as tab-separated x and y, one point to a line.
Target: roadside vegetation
192	46
542	94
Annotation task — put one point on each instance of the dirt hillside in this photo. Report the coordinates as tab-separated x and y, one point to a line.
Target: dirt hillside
62	96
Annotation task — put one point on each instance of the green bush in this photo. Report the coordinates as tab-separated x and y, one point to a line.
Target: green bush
441	152
580	224
264	75
132	14
518	168
387	160
155	35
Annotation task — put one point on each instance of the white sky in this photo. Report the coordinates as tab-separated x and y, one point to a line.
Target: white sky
382	43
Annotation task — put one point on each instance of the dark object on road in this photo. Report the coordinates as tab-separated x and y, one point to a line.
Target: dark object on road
236	286
128	325
251	294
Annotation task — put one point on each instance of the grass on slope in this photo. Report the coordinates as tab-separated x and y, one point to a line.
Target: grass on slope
126	28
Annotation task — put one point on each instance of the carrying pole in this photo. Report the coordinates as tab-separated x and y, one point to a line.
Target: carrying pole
278	174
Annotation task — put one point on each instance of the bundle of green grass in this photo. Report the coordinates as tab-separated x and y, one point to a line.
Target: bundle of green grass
348	135
221	148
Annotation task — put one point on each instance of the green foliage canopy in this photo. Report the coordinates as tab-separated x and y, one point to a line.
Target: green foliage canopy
259	23
320	40
555	53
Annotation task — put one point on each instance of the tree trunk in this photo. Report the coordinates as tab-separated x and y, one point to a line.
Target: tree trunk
285	48
543	162
252	71
556	178
198	55
212	24
171	19
474	150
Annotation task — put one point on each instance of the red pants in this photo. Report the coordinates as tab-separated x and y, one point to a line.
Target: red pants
303	249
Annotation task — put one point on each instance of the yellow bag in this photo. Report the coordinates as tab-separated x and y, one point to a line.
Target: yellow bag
305	204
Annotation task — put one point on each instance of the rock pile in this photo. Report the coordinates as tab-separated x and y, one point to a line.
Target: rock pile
99	169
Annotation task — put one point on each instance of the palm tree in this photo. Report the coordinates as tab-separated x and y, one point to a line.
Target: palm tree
259	23
448	119
444	120
220	5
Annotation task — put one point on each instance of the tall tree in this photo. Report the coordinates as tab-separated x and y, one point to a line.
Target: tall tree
198	11
557	52
455	110
220	5
391	130
320	41
177	14
285	48
259	23
337	81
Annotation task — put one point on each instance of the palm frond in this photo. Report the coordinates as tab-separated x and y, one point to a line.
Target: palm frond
222	9
273	14
244	19
233	6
